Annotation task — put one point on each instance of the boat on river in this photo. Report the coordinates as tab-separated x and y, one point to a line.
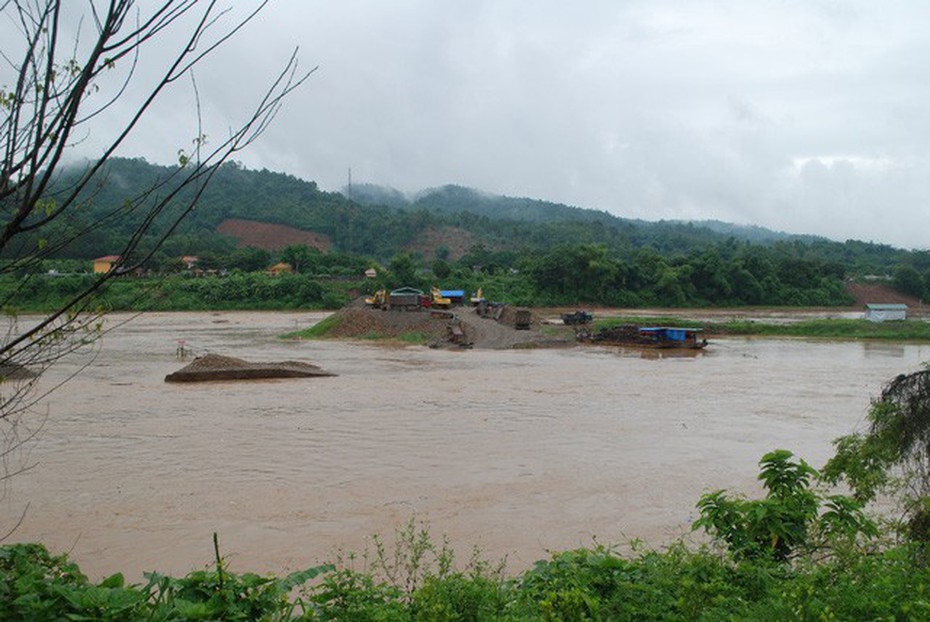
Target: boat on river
651	337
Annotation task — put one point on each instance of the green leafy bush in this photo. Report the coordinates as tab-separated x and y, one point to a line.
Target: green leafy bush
787	520
35	585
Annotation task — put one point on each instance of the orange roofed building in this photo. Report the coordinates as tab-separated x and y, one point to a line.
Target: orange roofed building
280	268
102	265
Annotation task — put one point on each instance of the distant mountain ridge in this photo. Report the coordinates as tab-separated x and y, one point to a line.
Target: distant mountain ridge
378	221
450	199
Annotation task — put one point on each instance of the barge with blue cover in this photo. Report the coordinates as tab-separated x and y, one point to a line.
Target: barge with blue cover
657	337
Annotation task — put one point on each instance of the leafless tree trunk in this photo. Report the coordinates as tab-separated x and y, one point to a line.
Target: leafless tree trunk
56	84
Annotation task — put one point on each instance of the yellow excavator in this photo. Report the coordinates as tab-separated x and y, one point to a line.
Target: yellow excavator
439	301
378	299
478	298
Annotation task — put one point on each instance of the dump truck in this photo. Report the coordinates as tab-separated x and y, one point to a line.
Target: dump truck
405	299
577	318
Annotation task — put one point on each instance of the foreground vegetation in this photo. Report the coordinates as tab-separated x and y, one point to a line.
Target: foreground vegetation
584	584
419	579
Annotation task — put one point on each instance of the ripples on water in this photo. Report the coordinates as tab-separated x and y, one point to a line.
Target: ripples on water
515	451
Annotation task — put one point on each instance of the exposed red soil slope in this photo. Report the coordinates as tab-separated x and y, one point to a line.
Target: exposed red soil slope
879	293
270	237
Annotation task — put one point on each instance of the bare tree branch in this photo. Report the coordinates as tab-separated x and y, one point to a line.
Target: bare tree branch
53	80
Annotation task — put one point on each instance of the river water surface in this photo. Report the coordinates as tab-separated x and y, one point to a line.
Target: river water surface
516	452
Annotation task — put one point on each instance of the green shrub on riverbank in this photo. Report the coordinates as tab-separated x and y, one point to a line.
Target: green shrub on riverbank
38	586
583	584
319	330
414	338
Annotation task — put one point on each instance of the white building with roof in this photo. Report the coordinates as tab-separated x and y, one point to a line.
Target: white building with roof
875	312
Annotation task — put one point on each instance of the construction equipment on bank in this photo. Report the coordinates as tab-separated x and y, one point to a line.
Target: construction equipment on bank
577	318
490	310
405	299
440	301
378	299
457	335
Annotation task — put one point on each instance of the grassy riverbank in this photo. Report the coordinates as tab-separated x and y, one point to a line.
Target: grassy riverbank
832	328
908	330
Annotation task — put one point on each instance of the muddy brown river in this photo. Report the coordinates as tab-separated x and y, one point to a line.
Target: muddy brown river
516	452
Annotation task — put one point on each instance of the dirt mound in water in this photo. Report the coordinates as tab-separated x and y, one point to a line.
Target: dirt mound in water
217	367
360	322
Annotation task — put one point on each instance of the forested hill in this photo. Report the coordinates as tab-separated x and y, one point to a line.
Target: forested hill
380	222
452	199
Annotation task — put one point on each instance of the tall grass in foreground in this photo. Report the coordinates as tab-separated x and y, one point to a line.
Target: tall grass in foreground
417	578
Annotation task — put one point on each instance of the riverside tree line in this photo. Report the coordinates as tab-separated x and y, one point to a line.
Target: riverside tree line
730	273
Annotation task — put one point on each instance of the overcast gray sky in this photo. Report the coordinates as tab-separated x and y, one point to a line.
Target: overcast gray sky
809	116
